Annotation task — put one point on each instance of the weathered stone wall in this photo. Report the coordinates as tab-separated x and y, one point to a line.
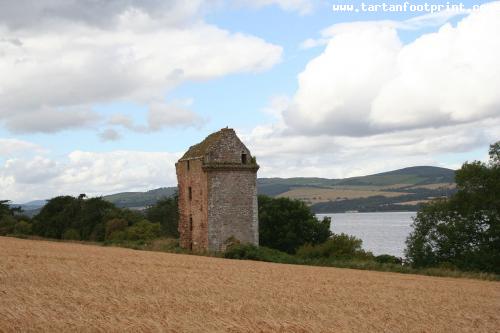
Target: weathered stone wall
195	237
228	149
232	207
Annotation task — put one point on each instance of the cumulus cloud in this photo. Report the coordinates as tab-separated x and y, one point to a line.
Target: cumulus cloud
31	172
25	13
49	120
161	115
174	114
86	172
10	147
283	155
366	81
62	62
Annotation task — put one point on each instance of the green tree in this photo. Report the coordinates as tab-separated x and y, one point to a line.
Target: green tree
56	216
6	209
286	224
463	231
166	213
86	216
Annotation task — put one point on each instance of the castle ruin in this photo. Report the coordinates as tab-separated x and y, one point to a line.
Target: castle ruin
217	193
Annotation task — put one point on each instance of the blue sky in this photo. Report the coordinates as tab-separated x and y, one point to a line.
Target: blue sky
103	97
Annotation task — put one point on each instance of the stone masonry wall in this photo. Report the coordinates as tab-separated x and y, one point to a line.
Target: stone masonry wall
232	207
228	149
194	237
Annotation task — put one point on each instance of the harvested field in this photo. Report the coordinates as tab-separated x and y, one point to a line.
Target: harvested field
314	195
51	287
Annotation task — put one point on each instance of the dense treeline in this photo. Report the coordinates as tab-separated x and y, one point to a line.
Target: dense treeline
92	219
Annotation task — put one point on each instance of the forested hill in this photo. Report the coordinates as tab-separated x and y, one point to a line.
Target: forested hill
402	189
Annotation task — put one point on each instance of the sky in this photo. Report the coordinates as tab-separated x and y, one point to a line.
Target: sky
101	97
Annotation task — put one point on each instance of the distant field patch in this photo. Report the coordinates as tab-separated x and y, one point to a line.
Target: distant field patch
314	195
437	186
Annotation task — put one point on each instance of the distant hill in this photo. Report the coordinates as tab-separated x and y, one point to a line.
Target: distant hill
403	189
140	199
420	175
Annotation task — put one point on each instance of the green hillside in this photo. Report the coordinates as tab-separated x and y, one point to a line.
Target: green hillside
420	175
140	199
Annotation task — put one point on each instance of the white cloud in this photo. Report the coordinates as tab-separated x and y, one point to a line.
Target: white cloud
174	114
31	172
49	120
161	115
24	13
86	172
301	6
337	87
367	82
66	60
10	147
281	154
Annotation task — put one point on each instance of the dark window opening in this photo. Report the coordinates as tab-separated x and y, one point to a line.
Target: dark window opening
190	193
188	165
190	223
244	158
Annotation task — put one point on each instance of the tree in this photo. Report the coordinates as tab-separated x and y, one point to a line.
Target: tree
286	224
56	216
6	209
166	213
495	154
464	230
85	216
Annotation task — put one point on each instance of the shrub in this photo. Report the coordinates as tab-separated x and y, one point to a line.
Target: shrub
117	236
388	259
337	246
114	225
143	230
7	224
71	234
22	228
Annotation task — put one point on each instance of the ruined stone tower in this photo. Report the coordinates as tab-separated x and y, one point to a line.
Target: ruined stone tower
217	193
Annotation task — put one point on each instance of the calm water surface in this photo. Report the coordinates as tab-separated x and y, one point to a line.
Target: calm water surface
382	233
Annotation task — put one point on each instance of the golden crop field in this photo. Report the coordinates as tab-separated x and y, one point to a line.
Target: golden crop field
54	287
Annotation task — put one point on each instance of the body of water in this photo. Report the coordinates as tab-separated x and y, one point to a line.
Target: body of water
382	233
